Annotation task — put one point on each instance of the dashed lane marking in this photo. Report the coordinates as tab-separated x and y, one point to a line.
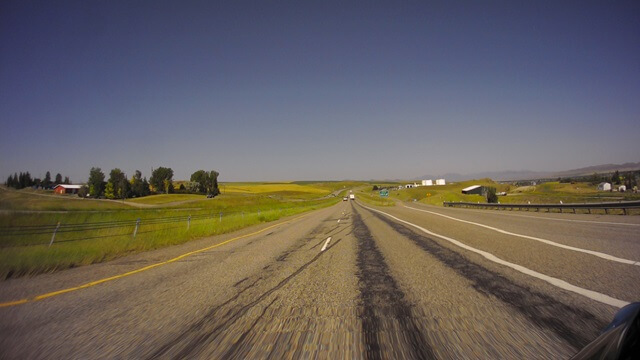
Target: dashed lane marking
326	243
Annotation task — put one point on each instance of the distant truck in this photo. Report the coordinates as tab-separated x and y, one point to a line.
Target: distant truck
352	197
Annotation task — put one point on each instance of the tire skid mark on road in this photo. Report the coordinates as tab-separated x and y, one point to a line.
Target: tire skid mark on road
331	233
200	323
211	326
237	351
576	326
383	300
240	282
544	241
299	244
218	323
591	294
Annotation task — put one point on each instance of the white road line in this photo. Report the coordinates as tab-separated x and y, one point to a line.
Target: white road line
567	220
325	244
548	242
593	295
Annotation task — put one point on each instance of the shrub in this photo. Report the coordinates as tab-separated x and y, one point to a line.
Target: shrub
492	198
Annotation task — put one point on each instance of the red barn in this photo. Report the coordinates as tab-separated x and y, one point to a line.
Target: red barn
66	189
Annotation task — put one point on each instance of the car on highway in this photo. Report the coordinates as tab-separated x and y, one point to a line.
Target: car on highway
344	198
352	197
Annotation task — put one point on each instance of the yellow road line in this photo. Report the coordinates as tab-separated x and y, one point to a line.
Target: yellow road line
148	267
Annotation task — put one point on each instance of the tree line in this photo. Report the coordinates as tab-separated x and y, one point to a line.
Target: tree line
627	178
118	186
24	180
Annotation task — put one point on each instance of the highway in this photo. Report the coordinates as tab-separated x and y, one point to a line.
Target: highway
349	281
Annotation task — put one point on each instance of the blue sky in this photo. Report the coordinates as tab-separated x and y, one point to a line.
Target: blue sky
265	91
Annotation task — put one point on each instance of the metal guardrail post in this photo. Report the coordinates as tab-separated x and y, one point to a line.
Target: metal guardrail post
188	222
220	217
53	237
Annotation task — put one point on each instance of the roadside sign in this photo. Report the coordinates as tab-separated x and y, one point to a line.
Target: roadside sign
384	193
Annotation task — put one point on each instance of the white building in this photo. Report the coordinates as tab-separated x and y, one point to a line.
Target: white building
622	188
427	182
409	186
604	186
440	182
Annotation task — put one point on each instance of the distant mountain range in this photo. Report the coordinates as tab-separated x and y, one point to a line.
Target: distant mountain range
530	175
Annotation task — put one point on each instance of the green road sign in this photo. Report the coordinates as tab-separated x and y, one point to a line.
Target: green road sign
384	193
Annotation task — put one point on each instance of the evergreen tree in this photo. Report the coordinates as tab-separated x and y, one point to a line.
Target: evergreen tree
491	195
58	179
615	178
119	183
137	186
96	182
66	180
47	180
24	180
214	190
146	187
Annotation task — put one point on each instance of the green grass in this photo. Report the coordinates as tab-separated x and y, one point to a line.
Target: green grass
554	192
30	254
39	200
272	188
547	193
373	198
163	199
436	195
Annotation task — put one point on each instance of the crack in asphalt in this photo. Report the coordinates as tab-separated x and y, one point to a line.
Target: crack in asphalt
206	330
240	282
576	326
383	300
236	351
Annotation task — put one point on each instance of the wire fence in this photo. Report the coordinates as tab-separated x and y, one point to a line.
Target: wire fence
104	229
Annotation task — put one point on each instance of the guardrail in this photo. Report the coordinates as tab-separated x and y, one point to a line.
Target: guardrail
606	206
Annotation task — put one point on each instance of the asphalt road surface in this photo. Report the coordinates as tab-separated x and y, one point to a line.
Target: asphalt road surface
410	281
